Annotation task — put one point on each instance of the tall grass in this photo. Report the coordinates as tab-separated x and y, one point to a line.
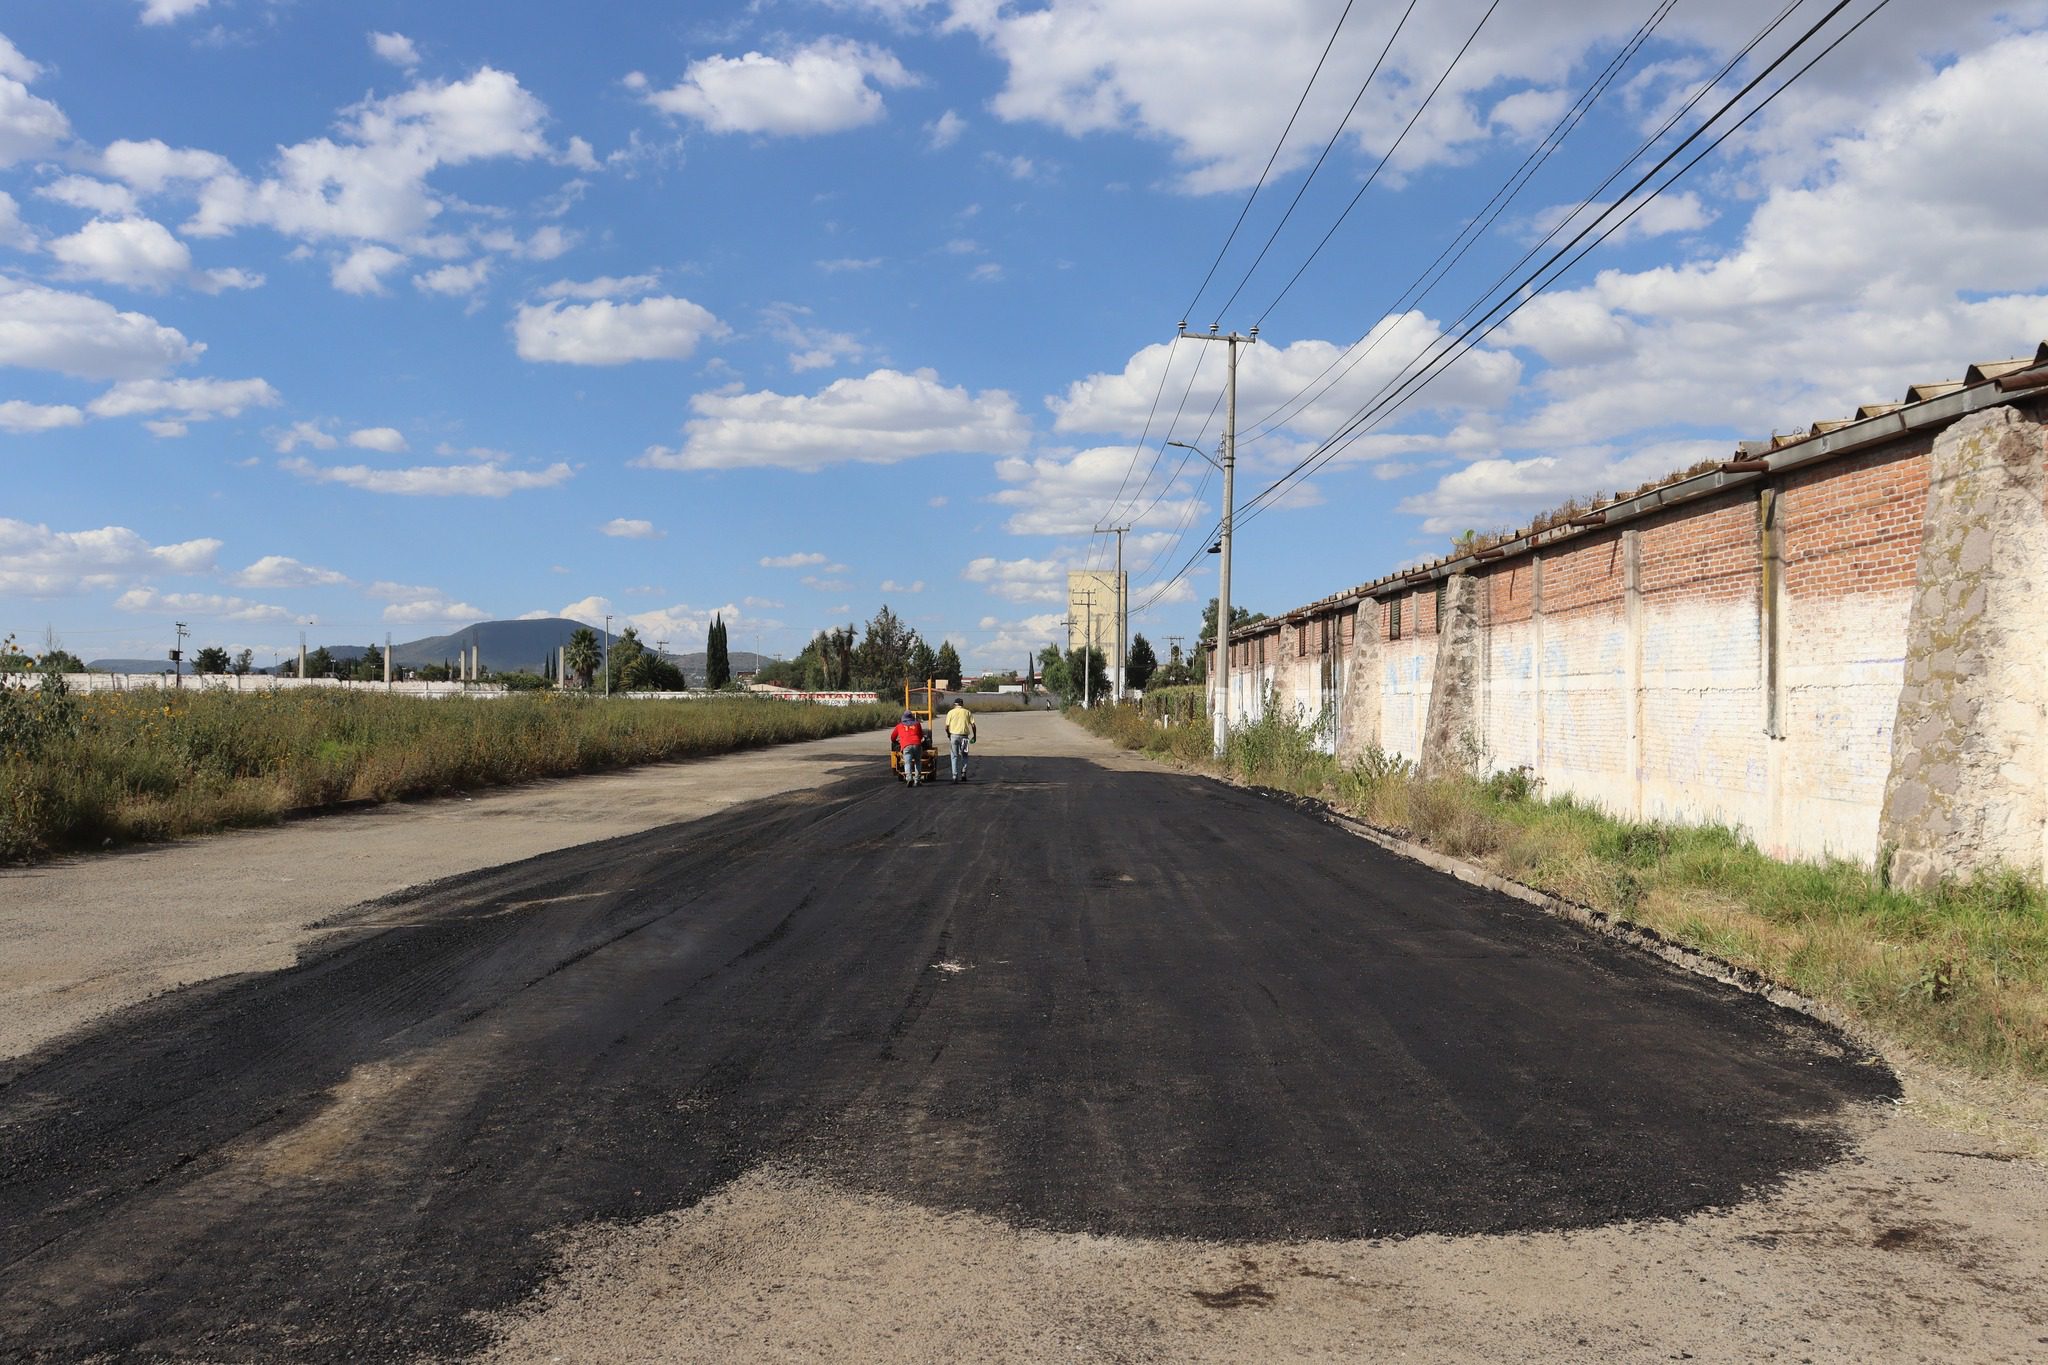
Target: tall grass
82	771
1961	973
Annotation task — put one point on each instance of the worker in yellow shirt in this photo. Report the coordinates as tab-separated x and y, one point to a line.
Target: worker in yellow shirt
960	729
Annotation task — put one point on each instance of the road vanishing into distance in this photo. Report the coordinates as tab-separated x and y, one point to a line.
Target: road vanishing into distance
1074	996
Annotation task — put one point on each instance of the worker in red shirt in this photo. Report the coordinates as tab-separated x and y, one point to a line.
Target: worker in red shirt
908	740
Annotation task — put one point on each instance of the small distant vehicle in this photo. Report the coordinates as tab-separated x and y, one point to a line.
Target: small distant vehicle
922	765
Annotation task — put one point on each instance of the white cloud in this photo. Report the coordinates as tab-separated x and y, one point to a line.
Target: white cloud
988	272
362	271
13	65
396	49
843	264
455	279
38	562
603	287
943	131
608	333
224	278
802	560
880	419
1019	580
482	480
811	348
282	571
1052	496
78	335
1871	259
430	610
891	585
138	252
14	232
153	166
764	603
626	528
387	439
302	434
1012	642
21	417
819	88
189	400
370	183
95	196
169	11
199	606
29	125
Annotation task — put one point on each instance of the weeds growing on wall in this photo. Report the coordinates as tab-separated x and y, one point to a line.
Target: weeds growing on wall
78	772
1961	973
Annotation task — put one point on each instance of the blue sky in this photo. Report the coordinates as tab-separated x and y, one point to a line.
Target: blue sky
390	317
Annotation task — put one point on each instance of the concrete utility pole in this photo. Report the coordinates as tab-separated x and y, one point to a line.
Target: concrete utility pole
387	661
1087	648
607	654
1229	467
302	656
1123	619
178	658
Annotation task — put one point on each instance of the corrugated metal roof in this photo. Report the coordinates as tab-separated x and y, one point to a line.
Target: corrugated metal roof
1838	436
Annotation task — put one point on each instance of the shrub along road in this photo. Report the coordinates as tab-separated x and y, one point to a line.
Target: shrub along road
1077	996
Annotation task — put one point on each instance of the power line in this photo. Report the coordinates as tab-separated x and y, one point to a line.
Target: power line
1278	147
1338	132
1534	284
1405	130
1475	227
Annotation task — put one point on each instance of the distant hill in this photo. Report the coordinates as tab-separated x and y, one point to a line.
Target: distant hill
506	647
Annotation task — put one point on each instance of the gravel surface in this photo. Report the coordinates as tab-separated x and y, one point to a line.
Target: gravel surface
1081	1060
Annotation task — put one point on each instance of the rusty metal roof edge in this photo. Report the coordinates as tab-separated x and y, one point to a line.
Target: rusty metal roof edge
1901	421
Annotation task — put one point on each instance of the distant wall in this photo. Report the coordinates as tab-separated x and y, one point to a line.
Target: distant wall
1737	659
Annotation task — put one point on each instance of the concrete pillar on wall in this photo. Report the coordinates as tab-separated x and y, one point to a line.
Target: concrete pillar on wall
1965	792
476	663
302	657
1632	662
1358	714
1536	661
1451	735
561	666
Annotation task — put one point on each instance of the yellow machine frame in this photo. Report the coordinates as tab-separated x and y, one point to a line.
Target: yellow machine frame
928	691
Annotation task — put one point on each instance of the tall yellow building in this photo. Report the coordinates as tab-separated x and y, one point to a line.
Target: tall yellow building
1092	604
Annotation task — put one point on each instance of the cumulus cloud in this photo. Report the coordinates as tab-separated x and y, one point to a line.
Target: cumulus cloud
187	400
386	439
396	49
199	606
282	571
882	418
1055	496
150	167
170	11
603	287
627	528
803	560
362	271
369	183
75	334
455	280
810	347
1019	580
480	480
138	252
302	434
608	333
431	610
20	418
38	562
95	196
943	131
891	585
29	125
1010	642
823	87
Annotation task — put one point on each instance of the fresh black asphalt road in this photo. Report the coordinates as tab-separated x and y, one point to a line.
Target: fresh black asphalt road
1073	994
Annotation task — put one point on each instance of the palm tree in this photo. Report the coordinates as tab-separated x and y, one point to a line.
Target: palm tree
583	655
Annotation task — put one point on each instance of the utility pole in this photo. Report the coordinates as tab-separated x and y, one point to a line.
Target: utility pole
178	658
1233	340
1087	647
1123	621
607	654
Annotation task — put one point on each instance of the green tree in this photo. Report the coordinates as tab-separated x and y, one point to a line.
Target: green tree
212	659
949	664
370	668
320	663
1054	676
717	658
625	656
244	661
440	672
584	656
1140	665
60	661
883	659
923	664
